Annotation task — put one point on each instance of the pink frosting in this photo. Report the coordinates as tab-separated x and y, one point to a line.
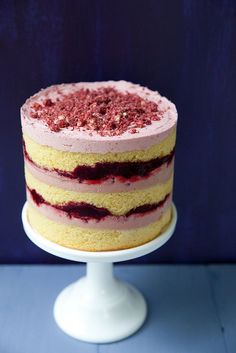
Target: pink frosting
81	141
109	222
160	175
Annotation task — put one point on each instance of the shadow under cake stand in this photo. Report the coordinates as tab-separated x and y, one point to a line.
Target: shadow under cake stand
99	308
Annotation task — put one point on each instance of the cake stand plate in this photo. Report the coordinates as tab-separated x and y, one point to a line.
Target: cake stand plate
99	308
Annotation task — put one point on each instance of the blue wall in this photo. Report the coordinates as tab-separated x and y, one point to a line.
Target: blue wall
184	49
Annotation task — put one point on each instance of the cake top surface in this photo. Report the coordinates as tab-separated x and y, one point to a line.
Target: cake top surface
87	116
104	110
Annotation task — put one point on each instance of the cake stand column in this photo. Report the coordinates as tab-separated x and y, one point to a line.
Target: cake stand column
99	308
100	279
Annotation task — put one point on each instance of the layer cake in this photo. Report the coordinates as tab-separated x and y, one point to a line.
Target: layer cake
99	161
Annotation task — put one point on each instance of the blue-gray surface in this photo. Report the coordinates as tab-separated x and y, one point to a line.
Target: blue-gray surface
191	309
185	49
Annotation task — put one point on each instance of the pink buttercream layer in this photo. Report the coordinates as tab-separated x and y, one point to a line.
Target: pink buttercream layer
85	142
159	175
108	222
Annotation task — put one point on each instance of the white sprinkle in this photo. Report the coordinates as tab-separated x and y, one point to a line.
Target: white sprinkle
117	118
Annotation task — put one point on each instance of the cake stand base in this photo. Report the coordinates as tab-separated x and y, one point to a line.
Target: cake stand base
99	308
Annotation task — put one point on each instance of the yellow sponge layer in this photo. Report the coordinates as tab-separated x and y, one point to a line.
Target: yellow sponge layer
92	239
50	158
118	203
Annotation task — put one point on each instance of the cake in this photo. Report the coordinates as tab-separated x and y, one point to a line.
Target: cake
99	161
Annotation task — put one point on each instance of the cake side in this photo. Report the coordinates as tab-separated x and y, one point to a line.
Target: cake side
95	239
101	171
102	181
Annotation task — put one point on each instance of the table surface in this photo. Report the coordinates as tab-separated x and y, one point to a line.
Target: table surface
191	309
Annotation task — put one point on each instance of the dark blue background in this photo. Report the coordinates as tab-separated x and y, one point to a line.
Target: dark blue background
184	49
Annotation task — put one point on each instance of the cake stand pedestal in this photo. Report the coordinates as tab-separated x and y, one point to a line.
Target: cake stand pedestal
99	308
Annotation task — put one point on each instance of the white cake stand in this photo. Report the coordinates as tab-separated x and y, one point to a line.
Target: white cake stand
99	308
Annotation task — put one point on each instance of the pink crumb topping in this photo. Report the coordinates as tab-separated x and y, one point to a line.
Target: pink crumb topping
105	111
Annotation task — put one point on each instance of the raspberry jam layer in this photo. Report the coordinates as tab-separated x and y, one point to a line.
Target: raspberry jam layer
86	211
102	171
126	170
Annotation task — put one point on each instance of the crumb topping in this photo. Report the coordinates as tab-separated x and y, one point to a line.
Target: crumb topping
105	111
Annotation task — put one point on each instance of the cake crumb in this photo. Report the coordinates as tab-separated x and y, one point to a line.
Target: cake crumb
105	111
